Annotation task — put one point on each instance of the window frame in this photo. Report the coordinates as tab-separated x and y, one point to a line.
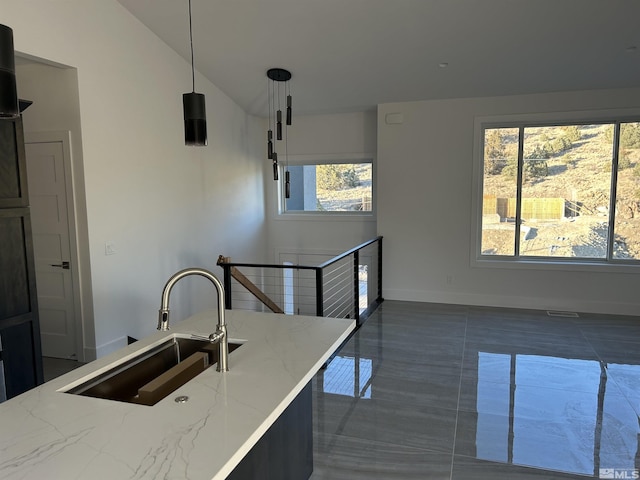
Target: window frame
586	117
325	159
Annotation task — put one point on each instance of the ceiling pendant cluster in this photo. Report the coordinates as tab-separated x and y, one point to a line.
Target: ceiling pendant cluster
279	97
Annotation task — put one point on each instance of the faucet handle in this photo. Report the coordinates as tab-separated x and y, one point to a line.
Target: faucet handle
213	338
163	319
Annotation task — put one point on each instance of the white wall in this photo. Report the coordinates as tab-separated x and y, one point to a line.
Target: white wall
320	137
425	168
56	108
166	206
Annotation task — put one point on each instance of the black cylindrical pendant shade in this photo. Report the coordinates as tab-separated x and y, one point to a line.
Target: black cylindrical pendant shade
287	185
195	119
288	109
275	168
269	145
279	125
8	90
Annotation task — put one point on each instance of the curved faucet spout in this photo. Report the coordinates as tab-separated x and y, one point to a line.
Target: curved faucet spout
220	334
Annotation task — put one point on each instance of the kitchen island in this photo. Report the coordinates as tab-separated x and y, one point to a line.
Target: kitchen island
46	433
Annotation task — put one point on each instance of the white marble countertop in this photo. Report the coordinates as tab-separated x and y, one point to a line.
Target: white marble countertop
48	434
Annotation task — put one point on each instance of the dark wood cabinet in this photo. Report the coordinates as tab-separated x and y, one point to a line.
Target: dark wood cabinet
21	356
13	168
285	451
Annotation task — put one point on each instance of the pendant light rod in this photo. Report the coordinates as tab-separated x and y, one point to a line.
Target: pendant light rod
193	68
193	104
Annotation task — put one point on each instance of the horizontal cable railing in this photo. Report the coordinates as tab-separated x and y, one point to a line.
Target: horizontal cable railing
348	285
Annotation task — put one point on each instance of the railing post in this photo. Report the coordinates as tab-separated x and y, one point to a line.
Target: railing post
319	293
227	286
379	299
356	285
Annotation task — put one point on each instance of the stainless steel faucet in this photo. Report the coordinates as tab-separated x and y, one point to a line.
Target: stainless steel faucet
220	335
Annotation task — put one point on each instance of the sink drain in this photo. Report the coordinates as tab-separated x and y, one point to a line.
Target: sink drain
181	399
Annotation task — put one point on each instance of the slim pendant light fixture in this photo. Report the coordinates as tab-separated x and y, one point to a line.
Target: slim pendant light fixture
8	90
193	104
277	99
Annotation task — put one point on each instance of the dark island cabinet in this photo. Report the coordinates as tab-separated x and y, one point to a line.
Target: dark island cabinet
20	350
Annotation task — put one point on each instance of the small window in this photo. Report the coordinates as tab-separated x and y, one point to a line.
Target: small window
329	187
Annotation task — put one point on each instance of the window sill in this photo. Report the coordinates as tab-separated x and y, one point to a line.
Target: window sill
326	217
557	265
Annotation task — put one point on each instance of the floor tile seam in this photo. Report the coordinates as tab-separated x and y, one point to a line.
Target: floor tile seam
528	418
538	335
396	406
612	377
627	398
415	448
381	443
455	428
417	380
528	344
586	339
532	385
565	474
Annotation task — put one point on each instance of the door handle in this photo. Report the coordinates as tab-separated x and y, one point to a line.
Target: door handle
63	265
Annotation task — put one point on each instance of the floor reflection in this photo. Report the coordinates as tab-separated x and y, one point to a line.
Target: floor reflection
350	376
427	391
554	413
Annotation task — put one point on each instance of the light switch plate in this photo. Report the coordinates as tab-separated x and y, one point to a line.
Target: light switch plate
110	248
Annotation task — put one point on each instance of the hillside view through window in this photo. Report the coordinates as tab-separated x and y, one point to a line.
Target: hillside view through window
570	191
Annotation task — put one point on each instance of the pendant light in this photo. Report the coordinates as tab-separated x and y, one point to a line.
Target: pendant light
195	115
277	98
8	90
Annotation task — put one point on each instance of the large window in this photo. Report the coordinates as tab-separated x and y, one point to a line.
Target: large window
562	191
329	187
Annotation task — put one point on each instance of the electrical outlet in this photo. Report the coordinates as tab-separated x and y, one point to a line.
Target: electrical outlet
110	248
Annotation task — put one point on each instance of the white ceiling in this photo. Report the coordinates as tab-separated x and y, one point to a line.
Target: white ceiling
349	55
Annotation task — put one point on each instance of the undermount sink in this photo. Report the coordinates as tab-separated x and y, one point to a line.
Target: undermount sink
154	373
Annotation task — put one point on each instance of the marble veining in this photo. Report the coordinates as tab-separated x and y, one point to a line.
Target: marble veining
47	433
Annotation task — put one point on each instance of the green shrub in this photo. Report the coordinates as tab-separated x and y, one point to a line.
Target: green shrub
510	170
629	135
532	169
336	177
623	160
494	152
544	151
572	133
535	169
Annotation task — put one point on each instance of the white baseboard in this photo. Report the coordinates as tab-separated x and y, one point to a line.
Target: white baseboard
104	349
534	303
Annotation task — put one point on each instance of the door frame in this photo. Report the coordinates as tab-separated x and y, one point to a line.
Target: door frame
64	137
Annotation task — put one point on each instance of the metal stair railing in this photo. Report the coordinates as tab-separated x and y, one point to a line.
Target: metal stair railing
348	285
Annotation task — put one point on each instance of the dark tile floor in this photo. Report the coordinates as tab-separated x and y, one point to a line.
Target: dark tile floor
54	367
426	391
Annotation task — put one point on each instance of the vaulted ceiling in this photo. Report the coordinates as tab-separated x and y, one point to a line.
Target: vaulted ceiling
348	55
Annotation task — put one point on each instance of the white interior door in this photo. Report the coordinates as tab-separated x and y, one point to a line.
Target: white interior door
50	225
